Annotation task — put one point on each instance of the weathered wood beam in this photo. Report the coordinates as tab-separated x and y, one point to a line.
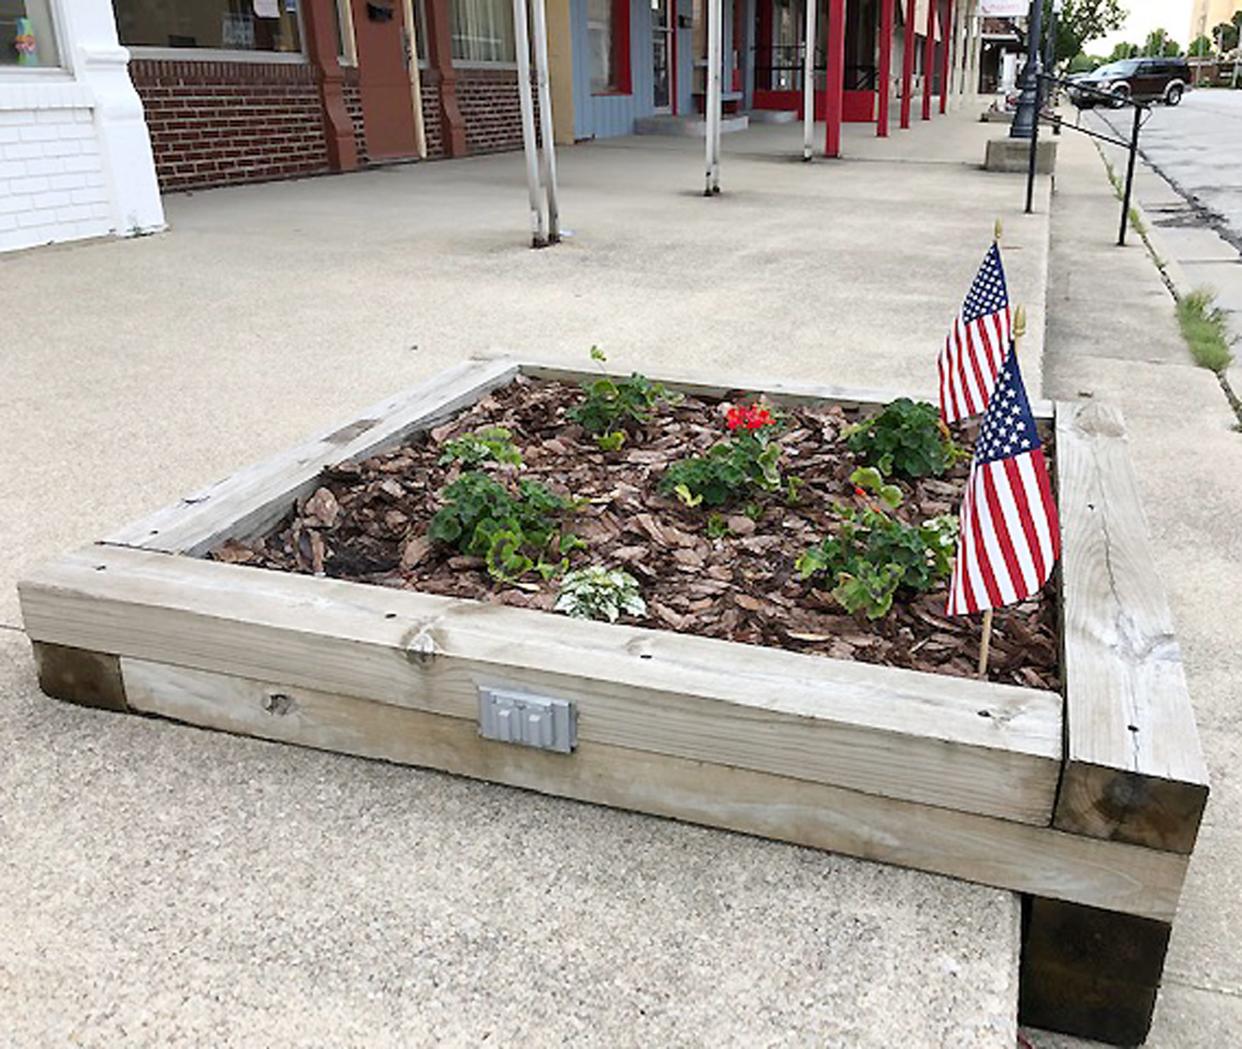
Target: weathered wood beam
1134	770
962	744
925	837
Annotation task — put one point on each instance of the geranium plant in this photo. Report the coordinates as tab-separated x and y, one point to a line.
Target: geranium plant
513	528
612	407
872	555
493	443
746	462
905	438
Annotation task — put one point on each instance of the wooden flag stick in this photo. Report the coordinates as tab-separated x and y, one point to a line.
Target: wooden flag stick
985	643
996	231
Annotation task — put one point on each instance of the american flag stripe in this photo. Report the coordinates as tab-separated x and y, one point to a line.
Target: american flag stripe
977	343
1009	538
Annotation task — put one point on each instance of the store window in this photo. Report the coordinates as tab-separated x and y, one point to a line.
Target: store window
225	25
483	31
27	36
608	34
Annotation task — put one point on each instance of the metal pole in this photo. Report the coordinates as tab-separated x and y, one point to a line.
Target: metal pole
929	58
1050	61
1024	119
1033	158
808	82
1125	200
946	34
712	102
907	63
547	154
538	220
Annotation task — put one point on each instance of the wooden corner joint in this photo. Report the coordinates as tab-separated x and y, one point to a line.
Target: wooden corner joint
75	675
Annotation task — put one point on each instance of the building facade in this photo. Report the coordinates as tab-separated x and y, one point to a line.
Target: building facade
1206	15
75	159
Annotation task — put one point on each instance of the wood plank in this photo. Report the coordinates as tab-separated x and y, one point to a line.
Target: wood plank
1089	972
1134	770
778	391
975	848
962	744
252	500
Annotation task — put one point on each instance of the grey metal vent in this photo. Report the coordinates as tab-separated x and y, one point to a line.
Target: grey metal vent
532	721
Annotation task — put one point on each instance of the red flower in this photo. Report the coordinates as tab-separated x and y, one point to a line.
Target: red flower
752	417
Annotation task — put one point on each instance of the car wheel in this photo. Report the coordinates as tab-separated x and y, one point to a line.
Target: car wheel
1122	91
1174	94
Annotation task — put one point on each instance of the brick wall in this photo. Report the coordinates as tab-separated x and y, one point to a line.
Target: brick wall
52	182
353	103
431	117
490	109
217	123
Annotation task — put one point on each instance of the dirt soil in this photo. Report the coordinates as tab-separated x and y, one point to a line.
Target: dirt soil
368	522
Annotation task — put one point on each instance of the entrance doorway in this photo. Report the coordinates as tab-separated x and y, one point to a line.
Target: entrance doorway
663	56
384	65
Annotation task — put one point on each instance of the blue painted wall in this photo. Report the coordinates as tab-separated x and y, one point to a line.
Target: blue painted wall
605	116
685	61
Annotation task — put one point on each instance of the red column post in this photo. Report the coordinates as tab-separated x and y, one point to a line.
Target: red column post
834	79
946	42
907	63
884	74
929	58
443	76
319	25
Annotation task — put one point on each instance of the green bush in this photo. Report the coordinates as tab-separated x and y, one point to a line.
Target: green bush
905	438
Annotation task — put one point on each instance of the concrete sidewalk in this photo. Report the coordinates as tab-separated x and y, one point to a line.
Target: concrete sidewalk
166	886
1113	335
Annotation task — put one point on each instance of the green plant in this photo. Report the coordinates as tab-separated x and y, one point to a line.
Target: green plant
599	593
869	479
717	526
612	404
490	442
736	467
871	555
1205	329
904	438
510	529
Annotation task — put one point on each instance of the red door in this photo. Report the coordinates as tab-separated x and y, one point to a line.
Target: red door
384	78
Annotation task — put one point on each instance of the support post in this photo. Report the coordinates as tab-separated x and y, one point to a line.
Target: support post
929	58
1028	113
946	40
416	79
442	75
1033	155
884	74
712	104
907	63
521	39
808	81
1125	200
834	80
317	23
547	152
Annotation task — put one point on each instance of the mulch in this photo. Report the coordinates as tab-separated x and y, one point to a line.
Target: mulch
368	523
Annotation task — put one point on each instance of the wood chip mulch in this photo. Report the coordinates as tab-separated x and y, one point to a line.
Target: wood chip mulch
368	522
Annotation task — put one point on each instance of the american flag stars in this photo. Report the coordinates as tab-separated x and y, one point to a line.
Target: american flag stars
976	345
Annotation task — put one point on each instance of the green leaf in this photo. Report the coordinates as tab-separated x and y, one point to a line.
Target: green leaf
598	355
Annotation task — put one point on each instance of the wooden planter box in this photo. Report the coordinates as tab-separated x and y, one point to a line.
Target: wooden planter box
1087	803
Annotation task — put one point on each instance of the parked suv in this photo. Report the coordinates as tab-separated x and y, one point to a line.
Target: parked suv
1142	79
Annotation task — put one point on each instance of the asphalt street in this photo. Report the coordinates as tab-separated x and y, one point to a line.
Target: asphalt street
1197	147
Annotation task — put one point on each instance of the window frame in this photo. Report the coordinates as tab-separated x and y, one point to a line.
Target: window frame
163	53
64	67
619	11
479	63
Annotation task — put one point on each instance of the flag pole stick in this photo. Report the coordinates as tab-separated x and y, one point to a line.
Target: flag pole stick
985	643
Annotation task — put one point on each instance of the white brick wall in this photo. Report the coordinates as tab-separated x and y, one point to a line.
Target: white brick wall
52	181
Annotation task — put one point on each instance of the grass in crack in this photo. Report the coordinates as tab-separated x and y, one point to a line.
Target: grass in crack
1205	329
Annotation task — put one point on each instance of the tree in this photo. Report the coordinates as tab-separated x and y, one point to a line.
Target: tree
1226	34
1081	21
1123	51
1084	63
1200	47
1160	45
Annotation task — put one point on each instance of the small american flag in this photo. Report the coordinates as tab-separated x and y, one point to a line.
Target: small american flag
976	344
1009	537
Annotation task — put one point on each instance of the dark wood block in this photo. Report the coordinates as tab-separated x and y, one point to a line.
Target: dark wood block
90	679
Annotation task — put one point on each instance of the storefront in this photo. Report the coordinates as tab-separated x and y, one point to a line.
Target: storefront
244	90
75	160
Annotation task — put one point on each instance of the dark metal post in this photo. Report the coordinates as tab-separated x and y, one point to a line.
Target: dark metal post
1024	119
1033	159
1050	61
1125	201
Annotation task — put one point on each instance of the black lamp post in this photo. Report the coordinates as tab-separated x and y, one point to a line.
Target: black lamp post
1028	102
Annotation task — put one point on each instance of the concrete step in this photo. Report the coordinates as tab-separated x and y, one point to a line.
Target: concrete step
688	127
773	116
